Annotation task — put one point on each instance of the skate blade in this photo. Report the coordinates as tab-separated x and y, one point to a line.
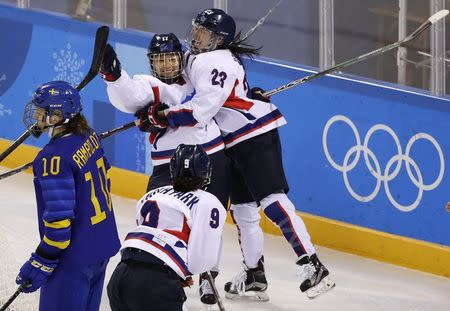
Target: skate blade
208	307
325	285
208	302
249	295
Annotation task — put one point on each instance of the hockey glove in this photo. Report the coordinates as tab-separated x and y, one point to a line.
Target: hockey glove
144	121
35	271
156	115
188	282
257	93
110	68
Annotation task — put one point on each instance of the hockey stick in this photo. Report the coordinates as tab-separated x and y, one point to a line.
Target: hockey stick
214	289
16	170
260	21
119	129
101	136
14	296
19	141
433	19
101	39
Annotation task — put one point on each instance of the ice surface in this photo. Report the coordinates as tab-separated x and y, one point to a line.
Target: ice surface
361	284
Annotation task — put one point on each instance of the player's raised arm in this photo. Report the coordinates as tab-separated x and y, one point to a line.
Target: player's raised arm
126	94
130	94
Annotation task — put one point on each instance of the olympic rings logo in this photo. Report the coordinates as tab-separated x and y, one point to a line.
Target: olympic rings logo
383	176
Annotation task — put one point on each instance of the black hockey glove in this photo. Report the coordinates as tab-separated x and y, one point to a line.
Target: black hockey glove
144	121
156	115
110	68
150	120
257	93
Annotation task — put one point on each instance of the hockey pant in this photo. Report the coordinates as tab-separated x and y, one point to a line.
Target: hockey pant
280	210
74	288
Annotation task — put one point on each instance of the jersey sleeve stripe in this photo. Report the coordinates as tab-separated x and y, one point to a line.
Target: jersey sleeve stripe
58	224
182	117
60	245
155	90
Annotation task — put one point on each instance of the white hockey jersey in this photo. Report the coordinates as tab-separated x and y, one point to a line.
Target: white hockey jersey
221	90
131	94
182	229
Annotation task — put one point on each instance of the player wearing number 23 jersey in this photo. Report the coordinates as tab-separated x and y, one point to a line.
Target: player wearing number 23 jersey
75	213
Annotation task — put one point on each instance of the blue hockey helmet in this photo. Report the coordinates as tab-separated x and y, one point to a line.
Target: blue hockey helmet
165	57
55	98
191	162
221	26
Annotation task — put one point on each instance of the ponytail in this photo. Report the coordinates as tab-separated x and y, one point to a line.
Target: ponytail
240	47
78	125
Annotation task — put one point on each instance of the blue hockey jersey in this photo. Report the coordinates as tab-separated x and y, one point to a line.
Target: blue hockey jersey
72	185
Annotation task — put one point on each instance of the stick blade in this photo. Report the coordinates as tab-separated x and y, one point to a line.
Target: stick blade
101	39
438	15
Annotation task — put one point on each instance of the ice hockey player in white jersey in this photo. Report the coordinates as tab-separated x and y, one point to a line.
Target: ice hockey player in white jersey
250	131
168	85
178	235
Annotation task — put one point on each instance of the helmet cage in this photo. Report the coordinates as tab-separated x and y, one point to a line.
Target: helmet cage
195	40
33	116
29	115
167	67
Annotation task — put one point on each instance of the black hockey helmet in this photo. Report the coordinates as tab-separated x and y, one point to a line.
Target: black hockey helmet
191	163
220	24
165	57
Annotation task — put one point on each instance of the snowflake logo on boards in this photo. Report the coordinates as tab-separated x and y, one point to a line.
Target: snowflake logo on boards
68	65
3	110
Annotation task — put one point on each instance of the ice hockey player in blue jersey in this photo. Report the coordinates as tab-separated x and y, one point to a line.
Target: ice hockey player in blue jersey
75	214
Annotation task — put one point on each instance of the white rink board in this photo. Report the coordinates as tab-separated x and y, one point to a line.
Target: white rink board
361	284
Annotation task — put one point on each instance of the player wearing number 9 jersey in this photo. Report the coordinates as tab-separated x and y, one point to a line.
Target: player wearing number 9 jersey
178	235
76	220
249	125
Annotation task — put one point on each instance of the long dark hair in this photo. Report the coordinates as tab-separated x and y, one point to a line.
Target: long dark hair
78	125
186	184
240	47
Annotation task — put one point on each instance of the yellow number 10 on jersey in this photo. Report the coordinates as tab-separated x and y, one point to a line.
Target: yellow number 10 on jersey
103	176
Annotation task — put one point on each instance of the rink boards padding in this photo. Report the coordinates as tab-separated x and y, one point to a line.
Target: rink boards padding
407	252
369	156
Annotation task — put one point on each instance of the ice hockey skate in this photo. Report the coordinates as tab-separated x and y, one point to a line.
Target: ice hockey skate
248	284
314	276
206	292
